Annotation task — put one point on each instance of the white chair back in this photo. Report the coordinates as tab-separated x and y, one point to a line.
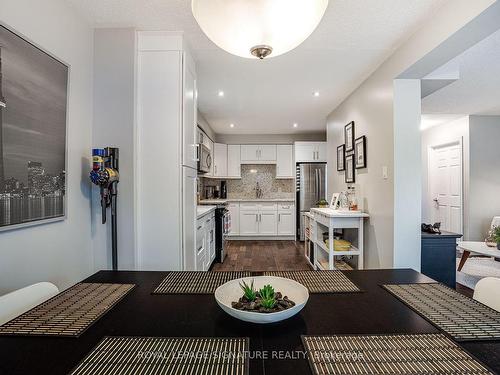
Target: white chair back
19	301
487	291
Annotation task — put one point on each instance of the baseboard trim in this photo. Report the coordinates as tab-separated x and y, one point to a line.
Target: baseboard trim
261	238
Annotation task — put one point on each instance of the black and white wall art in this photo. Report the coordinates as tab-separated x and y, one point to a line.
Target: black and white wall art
360	152
349	169
349	136
341	158
33	106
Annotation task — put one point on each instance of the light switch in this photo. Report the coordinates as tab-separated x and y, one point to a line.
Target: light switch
385	173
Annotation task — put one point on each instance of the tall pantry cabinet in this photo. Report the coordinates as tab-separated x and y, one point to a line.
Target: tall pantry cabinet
166	152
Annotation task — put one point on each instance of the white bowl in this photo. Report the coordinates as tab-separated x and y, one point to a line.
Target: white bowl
231	291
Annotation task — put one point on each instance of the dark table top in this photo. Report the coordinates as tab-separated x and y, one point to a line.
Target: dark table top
142	314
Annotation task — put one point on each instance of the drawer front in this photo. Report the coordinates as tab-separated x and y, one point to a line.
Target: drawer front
288	207
249	206
268	206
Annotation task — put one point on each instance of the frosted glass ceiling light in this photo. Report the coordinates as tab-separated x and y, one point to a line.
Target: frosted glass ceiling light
258	28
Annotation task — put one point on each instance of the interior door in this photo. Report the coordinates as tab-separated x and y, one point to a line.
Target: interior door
445	186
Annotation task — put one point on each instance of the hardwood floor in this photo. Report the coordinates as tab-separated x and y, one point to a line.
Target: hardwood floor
264	256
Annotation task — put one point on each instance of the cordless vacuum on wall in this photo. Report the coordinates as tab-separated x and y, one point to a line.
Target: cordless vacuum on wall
105	175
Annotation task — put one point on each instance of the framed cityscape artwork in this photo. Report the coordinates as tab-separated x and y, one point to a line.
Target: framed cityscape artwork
360	152
349	136
350	177
341	158
33	106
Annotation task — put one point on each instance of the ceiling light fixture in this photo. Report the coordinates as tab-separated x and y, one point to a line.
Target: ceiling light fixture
221	93
316	93
231	125
258	28
295	125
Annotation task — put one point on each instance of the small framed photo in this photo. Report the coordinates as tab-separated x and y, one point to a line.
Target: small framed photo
360	152
349	136
349	169
334	202
341	158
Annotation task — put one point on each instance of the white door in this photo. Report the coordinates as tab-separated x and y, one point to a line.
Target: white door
267	153
284	161
189	119
220	160
445	186
285	224
249	153
249	224
234	161
189	217
234	211
268	223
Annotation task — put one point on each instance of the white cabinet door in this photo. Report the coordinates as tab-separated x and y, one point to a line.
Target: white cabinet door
234	211
304	152
210	173
220	160
234	161
267	153
189	217
321	152
189	152
249	153
284	161
286	223
249	224
267	223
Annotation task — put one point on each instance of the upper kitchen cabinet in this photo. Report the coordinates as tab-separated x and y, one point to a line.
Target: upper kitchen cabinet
190	112
258	154
284	161
220	160
312	152
233	161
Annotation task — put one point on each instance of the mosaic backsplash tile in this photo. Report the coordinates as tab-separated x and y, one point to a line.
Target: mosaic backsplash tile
265	175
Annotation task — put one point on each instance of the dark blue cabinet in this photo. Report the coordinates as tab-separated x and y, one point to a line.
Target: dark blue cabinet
438	259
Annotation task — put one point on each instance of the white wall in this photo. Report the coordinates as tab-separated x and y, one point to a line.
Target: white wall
438	135
58	252
113	125
270	138
371	107
484	180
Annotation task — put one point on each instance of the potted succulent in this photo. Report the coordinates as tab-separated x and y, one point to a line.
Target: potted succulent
495	235
322	203
266	300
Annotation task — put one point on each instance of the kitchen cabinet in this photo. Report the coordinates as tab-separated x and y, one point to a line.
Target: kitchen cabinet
310	152
209	227
189	144
284	161
234	161
258	154
249	223
220	160
286	220
234	212
205	242
267	223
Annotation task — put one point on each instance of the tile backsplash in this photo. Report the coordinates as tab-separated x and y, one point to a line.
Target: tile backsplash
265	175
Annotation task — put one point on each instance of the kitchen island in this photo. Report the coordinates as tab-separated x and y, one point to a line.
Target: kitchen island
141	313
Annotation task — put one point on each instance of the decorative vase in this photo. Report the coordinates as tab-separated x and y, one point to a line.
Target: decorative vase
490	243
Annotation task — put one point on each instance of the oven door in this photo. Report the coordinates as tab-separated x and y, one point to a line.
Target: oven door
204	159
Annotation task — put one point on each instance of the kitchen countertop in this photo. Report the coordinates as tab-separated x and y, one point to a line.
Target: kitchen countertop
203	210
222	201
372	311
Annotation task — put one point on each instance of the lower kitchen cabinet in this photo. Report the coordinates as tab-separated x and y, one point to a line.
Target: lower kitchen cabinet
234	212
205	241
264	219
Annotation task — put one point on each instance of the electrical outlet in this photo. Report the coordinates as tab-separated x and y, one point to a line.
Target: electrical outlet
385	172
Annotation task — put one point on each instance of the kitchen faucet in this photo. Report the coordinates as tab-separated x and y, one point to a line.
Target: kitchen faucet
258	191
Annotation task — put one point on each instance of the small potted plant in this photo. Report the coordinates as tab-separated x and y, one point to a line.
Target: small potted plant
495	235
322	203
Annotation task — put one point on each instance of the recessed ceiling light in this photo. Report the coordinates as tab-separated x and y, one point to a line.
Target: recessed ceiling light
231	125
221	93
316	93
295	125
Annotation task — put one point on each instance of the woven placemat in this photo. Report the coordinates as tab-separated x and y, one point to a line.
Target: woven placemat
69	313
460	316
389	354
167	355
196	282
319	281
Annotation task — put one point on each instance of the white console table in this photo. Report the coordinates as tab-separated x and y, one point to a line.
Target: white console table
326	219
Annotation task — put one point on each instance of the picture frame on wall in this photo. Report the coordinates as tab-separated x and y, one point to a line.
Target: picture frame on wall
349	169
349	136
334	202
341	158
360	152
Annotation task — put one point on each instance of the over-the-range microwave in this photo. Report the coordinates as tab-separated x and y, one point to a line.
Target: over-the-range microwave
204	158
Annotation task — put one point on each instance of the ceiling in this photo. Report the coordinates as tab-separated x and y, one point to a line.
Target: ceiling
477	91
269	96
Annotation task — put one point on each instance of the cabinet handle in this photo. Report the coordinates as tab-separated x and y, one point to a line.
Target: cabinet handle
257	218
279	217
197	151
215	167
199	227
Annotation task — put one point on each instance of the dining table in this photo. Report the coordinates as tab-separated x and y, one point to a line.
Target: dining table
274	348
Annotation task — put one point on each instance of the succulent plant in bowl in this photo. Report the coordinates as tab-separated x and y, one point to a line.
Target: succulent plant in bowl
322	203
267	297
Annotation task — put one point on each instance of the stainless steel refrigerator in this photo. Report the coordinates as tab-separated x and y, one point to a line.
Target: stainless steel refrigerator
311	187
